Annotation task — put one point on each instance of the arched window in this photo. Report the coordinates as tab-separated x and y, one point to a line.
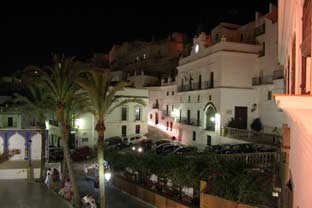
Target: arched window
210	117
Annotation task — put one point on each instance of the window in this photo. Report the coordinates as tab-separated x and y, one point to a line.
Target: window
167	110
208	140
123	131
170	126
180	115
172	107
188	116
269	95
198	98
168	93
262	52
138	113
198	118
172	93
167	125
10	121
151	116
209	97
194	135
211	80
199	82
137	129
189	99
84	139
124	112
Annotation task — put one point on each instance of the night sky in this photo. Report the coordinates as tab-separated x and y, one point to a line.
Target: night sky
31	36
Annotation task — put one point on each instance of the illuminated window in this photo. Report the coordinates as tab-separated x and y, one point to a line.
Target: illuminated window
196	48
137	113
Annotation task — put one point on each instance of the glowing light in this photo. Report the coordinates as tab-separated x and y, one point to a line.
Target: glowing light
140	149
107	176
133	148
212	119
196	48
79	123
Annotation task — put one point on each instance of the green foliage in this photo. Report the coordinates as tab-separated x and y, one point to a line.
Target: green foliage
227	179
256	125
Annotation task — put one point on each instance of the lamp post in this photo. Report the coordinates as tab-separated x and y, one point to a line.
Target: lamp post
30	171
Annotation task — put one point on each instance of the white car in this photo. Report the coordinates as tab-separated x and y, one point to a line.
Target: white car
133	139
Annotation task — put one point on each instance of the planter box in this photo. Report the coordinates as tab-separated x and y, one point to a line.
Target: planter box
209	201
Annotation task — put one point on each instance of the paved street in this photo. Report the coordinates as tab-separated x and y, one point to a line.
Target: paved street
24	194
114	198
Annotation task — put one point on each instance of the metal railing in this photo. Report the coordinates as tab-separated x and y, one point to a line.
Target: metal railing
278	74
155	106
255	159
191	121
252	136
262	80
196	86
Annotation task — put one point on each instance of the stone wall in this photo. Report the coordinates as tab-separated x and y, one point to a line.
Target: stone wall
145	195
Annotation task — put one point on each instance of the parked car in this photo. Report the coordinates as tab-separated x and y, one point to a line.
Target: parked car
213	149
56	154
81	153
185	150
133	140
144	146
159	142
113	143
243	148
168	149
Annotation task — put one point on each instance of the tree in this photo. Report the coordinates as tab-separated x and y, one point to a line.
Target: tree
102	95
58	80
36	103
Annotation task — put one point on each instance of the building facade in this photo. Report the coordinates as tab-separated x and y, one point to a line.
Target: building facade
128	120
229	75
294	54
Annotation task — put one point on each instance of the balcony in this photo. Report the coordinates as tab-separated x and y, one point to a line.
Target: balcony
262	80
260	30
191	122
278	74
155	106
252	136
196	86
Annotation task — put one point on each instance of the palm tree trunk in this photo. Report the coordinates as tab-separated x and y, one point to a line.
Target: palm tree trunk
60	117
43	144
100	128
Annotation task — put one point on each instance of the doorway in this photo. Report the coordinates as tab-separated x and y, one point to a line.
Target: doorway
156	118
241	117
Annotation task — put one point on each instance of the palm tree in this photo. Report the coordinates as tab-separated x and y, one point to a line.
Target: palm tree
36	104
102	95
58	80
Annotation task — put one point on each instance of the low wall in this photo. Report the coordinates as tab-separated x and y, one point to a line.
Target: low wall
209	201
145	195
18	169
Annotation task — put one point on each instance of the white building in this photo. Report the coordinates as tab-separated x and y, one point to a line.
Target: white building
229	74
294	54
125	121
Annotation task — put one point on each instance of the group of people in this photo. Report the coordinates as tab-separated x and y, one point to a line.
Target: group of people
53	181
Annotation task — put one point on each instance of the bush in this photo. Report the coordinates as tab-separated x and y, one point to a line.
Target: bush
256	125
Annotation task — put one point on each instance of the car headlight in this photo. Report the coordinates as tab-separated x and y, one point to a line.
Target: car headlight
140	149
133	148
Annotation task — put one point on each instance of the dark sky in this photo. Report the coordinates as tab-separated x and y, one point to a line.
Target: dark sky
31	36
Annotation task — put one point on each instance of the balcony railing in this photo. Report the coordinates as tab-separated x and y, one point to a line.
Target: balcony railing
192	122
155	106
262	80
196	86
278	74
252	136
255	159
260	30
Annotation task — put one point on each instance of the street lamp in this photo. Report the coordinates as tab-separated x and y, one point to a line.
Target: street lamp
107	175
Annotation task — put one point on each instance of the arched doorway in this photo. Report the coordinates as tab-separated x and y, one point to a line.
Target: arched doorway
17	142
210	111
